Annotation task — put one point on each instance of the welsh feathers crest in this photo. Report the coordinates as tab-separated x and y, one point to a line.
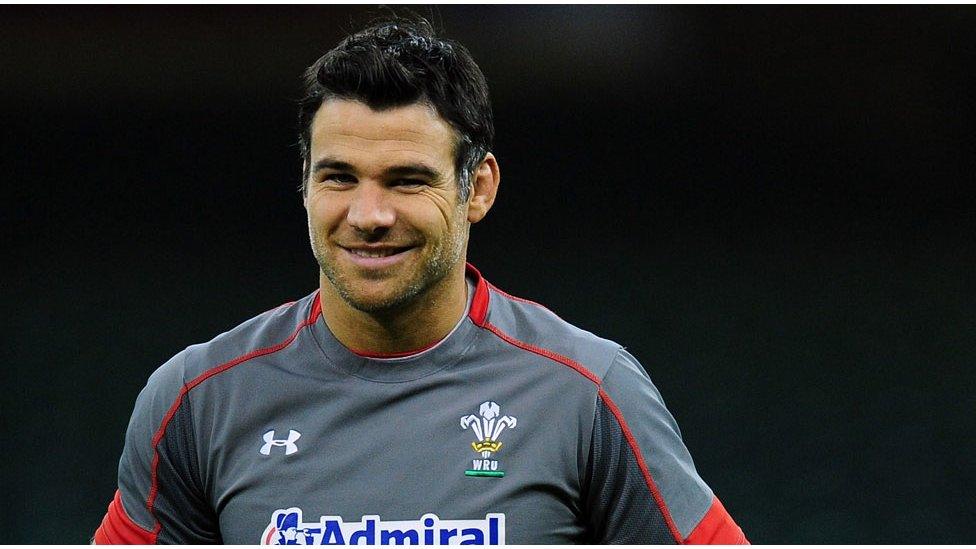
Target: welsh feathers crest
487	426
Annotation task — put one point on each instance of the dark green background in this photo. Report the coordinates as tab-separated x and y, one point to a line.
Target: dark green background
772	207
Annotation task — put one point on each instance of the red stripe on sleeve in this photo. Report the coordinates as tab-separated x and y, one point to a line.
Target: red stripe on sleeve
717	528
118	529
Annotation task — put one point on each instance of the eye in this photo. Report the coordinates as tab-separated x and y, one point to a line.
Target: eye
339	178
409	183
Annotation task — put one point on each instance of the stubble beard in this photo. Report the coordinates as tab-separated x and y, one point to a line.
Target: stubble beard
442	259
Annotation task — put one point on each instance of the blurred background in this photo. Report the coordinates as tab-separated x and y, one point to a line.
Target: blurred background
771	207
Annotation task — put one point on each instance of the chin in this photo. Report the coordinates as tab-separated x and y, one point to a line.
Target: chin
378	304
375	300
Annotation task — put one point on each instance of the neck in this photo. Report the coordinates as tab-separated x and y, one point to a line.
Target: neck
415	325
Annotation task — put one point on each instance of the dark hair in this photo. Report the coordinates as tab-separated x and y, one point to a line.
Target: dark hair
400	62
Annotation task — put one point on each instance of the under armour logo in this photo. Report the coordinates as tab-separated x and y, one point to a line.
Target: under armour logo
289	443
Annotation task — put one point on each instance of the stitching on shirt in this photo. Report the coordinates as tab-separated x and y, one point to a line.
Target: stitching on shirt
566	361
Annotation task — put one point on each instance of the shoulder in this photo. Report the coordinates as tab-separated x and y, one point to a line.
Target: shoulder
534	328
260	335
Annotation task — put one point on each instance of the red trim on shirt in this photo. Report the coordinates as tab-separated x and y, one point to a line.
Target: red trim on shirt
717	528
118	528
479	303
543	352
648	479
161	432
316	309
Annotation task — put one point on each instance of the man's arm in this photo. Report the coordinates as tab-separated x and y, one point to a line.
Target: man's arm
159	497
641	485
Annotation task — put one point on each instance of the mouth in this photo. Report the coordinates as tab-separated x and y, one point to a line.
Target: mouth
376	252
373	257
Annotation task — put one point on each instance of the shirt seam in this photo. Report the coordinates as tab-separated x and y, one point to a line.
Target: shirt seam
193	434
596	410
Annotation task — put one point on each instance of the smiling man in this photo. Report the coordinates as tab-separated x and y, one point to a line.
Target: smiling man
407	400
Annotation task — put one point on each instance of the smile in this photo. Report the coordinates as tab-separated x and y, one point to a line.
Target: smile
375	258
376	253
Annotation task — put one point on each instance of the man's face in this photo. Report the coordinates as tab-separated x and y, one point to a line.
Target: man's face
383	213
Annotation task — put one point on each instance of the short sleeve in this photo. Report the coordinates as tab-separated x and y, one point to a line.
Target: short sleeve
641	485
160	497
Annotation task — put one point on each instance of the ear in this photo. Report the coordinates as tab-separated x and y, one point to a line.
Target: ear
484	187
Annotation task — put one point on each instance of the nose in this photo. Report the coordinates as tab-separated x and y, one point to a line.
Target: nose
370	210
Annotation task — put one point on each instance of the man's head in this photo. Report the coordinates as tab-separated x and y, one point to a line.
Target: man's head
395	138
397	63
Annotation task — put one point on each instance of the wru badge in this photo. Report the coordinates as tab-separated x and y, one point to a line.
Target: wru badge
487	429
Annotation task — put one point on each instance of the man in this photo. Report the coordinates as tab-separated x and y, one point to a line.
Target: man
407	400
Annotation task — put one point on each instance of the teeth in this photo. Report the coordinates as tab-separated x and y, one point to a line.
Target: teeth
374	253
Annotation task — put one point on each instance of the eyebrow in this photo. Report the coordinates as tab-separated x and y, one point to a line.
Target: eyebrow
332	164
329	163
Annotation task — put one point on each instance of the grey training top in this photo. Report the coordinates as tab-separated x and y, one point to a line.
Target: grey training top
516	428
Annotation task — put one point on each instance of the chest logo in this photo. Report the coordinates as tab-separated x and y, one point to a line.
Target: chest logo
487	426
289	443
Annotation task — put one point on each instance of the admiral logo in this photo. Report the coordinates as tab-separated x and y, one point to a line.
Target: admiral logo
487	429
286	528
